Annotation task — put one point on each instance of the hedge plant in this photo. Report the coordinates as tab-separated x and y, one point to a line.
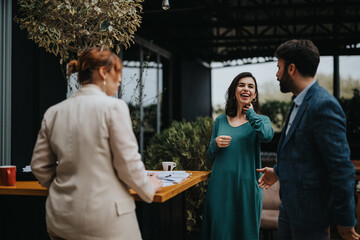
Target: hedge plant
184	143
351	108
277	111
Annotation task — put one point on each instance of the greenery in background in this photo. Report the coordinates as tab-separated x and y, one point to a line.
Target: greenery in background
135	101
218	110
346	84
271	91
65	28
276	105
351	108
184	143
277	111
149	121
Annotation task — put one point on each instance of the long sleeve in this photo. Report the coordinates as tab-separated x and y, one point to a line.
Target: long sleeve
261	125
213	148
43	162
276	169
330	138
127	160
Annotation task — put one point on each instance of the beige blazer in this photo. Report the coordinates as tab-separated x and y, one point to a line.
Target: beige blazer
87	155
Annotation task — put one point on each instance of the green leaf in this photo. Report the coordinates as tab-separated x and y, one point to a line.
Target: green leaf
72	10
97	9
56	49
104	26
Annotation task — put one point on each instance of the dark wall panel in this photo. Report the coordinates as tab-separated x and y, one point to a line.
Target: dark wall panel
37	84
195	90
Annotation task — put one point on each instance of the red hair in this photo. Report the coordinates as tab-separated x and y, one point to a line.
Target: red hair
92	59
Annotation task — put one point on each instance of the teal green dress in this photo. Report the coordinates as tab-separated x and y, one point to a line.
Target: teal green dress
232	209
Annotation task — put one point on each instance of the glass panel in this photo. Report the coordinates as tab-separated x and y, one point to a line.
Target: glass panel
130	86
130	90
349	75
325	73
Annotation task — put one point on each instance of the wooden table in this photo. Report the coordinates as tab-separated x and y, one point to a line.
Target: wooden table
33	188
25	188
166	193
22	210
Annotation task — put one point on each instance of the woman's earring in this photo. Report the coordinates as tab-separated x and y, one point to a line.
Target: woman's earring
254	100
104	86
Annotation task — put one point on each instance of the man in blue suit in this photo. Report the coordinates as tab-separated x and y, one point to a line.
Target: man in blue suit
317	178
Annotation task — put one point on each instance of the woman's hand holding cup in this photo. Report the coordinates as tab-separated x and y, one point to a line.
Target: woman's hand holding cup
223	141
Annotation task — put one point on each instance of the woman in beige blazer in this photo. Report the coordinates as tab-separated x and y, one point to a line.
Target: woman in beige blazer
87	156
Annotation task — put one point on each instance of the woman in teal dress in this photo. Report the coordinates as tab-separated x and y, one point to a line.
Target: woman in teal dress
233	202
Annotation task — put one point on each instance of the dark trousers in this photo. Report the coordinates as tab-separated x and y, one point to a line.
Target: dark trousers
288	231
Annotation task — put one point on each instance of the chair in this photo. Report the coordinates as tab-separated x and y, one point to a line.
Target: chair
270	210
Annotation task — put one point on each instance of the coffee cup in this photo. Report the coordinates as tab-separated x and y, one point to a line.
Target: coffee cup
168	166
7	175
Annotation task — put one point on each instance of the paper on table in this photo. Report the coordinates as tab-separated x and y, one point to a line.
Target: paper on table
27	169
169	178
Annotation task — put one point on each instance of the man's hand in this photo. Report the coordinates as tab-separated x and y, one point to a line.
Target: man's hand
348	233
268	178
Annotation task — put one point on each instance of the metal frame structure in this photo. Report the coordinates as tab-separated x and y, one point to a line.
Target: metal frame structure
224	30
5	82
139	62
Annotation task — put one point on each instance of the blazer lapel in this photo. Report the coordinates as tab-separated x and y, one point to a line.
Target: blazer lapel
295	123
299	114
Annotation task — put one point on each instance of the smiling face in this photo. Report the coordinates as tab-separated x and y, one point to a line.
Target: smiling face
245	91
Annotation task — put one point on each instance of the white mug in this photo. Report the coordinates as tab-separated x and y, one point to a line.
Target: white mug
168	166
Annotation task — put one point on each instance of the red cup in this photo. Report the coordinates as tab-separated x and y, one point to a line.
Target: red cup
7	175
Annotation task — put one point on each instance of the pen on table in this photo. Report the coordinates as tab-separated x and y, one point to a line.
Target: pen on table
166	179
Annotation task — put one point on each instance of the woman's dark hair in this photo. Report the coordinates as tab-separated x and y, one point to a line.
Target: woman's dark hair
231	102
302	53
92	59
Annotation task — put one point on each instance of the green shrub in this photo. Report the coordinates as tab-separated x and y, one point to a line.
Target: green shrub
277	111
351	108
184	143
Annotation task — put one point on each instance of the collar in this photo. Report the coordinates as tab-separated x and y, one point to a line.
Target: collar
300	98
88	89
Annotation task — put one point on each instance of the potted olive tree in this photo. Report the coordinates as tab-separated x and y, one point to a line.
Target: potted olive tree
65	28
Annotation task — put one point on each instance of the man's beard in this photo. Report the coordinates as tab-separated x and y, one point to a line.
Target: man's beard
286	83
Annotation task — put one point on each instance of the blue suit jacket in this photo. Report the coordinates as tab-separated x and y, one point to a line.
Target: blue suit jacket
317	178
